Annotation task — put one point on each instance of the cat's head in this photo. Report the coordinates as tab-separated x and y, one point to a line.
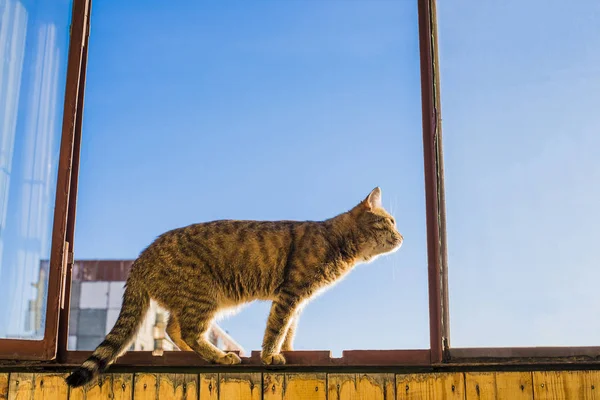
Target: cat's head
375	228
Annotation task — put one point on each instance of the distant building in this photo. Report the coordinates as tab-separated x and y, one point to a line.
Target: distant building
96	295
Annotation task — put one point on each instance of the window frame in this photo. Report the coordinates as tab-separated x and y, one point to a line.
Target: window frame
46	348
404	357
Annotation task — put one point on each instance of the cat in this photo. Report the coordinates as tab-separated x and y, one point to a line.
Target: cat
196	271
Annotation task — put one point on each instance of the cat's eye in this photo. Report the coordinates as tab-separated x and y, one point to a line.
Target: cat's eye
392	220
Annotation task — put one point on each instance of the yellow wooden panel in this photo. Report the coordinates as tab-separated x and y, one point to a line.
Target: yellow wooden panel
430	386
20	386
361	386
240	386
273	386
145	386
178	386
341	386
305	387
481	386
209	387
50	387
3	386
100	388
580	385
514	386
122	386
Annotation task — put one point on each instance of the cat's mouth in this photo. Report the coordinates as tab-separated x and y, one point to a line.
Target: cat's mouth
396	243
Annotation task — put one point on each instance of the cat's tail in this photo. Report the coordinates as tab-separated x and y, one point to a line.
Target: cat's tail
136	302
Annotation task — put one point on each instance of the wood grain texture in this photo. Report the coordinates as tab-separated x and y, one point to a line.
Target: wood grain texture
3	386
273	385
361	386
499	385
481	385
100	388
514	385
305	387
580	385
209	386
145	386
430	386
122	386
240	386
50	387
178	386
20	386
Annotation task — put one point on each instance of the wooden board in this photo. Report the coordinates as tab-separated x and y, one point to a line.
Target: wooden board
20	386
514	385
100	388
305	387
430	386
580	385
481	385
3	386
240	386
209	387
50	387
178	386
273	385
122	386
361	386
145	386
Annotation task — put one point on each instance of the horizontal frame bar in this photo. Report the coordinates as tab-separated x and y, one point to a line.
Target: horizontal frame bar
531	354
293	358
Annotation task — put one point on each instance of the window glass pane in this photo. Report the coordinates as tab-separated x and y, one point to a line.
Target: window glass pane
520	90
275	110
34	37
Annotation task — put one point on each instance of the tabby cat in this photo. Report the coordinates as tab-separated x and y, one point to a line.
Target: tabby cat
199	271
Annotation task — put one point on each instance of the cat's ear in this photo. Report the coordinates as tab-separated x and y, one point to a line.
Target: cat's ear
373	200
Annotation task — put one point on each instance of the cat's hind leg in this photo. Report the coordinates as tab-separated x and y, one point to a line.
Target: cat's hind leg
174	332
194	322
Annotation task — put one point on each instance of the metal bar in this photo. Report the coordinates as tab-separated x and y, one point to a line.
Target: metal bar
46	349
433	180
63	325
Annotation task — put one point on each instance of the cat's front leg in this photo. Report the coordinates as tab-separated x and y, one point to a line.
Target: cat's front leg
280	318
288	342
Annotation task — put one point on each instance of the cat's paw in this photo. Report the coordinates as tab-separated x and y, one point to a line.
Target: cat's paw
273	359
229	359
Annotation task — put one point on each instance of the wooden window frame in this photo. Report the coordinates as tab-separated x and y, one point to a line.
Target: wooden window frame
439	355
60	251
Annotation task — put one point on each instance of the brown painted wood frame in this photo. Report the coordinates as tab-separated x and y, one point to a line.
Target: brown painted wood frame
46	348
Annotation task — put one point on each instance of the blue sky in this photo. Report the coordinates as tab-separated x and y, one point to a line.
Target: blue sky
297	109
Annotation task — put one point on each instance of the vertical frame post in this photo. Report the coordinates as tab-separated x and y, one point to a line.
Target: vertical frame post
434	182
63	326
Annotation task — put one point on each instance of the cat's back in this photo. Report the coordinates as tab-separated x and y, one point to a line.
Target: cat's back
233	243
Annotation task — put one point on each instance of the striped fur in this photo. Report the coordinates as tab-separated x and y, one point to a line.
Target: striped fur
200	270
